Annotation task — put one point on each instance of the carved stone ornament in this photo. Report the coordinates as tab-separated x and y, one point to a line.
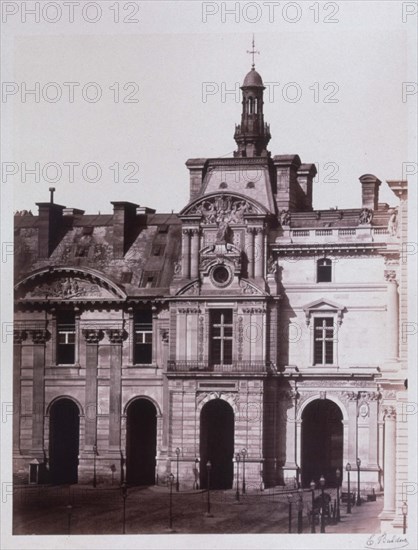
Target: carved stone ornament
390	275
223	210
365	217
390	413
190	290
393	223
116	336
65	288
272	266
247	288
165	335
19	336
350	395
39	336
92	335
284	218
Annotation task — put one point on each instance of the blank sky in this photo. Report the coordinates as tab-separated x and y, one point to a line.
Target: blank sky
361	60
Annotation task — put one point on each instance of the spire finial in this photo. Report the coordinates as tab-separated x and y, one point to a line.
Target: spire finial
253	52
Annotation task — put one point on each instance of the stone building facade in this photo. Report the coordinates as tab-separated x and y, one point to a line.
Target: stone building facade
247	329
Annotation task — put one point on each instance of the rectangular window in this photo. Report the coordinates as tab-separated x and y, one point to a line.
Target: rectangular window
221	336
66	338
143	338
323	341
324	271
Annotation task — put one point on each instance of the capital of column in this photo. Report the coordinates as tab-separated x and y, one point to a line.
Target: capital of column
194	232
349	395
187	232
39	336
390	276
92	336
390	413
251	230
116	336
258	230
19	336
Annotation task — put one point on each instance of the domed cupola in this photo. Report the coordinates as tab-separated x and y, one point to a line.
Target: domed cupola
252	135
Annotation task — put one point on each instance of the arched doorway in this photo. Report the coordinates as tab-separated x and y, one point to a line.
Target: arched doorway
64	430
141	442
322	441
217	444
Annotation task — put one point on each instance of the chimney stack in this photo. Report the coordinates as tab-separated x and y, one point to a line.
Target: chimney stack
124	221
49	227
370	191
197	168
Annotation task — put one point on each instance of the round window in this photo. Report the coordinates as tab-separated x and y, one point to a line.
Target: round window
221	275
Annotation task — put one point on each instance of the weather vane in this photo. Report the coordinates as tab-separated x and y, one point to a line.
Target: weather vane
253	52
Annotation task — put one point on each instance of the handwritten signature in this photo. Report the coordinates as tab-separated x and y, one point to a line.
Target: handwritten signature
386	541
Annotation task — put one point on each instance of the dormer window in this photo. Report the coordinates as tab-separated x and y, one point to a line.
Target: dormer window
324	270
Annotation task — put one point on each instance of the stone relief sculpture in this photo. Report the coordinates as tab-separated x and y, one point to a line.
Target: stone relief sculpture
366	216
284	217
393	223
223	210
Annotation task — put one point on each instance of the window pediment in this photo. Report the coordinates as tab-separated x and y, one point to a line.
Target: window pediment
323	306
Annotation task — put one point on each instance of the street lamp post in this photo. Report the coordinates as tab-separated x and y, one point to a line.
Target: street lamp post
358	501
94	465
348	469
290	498
238	458
170	508
208	469
124	495
322	483
244	454
404	513
312	486
338	476
177	469
300	511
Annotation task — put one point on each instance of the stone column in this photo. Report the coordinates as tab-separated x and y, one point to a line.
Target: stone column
373	430
290	467
116	337
194	260
259	252
352	398
389	503
185	259
18	337
92	337
392	316
39	338
249	250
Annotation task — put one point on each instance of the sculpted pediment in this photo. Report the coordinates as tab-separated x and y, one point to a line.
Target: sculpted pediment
67	284
223	209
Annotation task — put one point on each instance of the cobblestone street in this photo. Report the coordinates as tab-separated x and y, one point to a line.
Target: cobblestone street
46	511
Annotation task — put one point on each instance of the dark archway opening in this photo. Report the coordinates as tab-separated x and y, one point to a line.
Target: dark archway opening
141	443
64	430
322	442
217	444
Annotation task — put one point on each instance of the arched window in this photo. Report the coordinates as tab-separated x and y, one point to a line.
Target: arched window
250	106
324	270
256	106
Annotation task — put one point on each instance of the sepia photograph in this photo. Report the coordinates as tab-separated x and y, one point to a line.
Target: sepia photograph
209	274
